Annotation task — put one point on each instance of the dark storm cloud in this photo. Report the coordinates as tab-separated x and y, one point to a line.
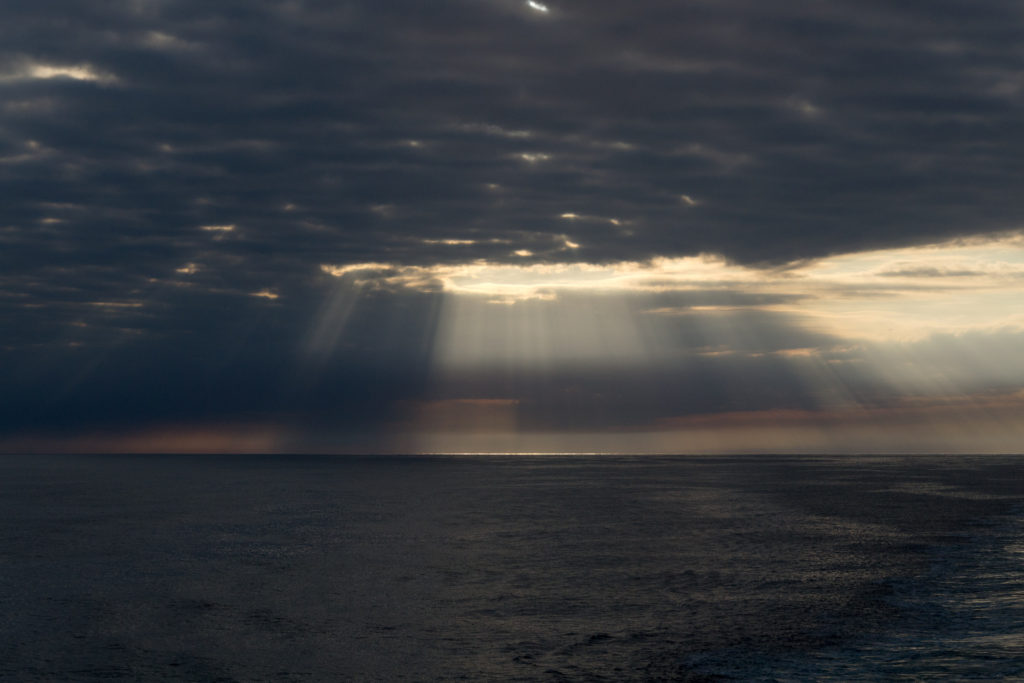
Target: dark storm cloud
792	131
419	133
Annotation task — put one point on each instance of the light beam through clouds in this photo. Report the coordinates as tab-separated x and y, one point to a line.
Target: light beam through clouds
917	334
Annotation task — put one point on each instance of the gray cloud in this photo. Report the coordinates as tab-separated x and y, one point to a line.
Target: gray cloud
424	133
929	271
796	132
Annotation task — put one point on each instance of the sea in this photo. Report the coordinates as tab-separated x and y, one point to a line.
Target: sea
511	568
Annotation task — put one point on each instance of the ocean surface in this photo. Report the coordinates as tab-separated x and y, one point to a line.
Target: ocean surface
549	568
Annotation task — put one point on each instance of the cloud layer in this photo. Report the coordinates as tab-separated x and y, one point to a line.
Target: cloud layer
184	182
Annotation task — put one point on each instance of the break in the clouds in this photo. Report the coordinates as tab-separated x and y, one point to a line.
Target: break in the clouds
341	219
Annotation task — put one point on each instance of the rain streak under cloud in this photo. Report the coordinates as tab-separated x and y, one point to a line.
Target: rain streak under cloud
506	225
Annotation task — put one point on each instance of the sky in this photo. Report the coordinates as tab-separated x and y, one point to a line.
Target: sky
659	226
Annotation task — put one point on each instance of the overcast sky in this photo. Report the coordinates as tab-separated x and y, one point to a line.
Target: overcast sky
507	225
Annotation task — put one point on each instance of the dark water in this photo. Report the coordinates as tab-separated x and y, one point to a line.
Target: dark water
241	568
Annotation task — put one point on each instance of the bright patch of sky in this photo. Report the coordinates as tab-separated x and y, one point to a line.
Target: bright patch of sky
892	294
40	71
